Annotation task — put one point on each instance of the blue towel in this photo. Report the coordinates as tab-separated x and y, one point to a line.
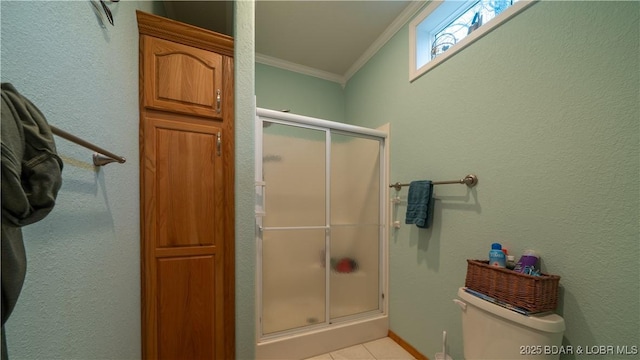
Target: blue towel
420	204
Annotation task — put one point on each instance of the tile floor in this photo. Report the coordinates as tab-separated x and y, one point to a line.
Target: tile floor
381	349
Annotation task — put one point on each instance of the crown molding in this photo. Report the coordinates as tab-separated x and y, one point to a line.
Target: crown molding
387	34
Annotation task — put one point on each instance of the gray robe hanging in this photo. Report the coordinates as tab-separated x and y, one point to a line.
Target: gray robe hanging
31	178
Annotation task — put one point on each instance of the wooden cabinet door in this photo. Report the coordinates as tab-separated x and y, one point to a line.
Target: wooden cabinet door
184	267
182	78
187	199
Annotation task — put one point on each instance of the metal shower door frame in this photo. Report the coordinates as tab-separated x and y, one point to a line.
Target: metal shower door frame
328	127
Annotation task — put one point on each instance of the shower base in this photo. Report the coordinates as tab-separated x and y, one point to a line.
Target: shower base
319	341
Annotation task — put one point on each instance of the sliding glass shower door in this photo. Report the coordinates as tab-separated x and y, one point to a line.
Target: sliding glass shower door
294	227
355	225
319	225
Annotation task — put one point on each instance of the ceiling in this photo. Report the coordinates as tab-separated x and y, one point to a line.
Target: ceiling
328	39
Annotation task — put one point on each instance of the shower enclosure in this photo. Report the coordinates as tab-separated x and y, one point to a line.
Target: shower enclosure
321	235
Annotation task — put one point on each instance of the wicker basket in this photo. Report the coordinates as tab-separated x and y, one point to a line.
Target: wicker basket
533	293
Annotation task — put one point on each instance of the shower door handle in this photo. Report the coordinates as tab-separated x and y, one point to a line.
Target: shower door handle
261	209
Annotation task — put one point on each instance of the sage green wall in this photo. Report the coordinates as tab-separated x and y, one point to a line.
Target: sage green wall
279	89
545	110
81	297
245	249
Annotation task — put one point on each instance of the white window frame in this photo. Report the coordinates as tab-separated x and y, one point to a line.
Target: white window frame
443	10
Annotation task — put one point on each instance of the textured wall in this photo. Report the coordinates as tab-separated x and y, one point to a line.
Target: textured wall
244	127
545	110
279	89
555	146
81	297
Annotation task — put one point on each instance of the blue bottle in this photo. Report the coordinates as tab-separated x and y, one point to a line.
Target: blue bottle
496	256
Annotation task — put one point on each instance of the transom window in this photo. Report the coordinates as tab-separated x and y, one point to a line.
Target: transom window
445	27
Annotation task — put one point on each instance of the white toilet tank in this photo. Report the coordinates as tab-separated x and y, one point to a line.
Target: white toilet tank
490	331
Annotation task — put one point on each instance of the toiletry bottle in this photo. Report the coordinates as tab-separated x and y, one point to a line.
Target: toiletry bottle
496	256
511	262
527	262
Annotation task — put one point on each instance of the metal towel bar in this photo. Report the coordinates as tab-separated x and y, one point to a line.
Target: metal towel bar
100	158
470	180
